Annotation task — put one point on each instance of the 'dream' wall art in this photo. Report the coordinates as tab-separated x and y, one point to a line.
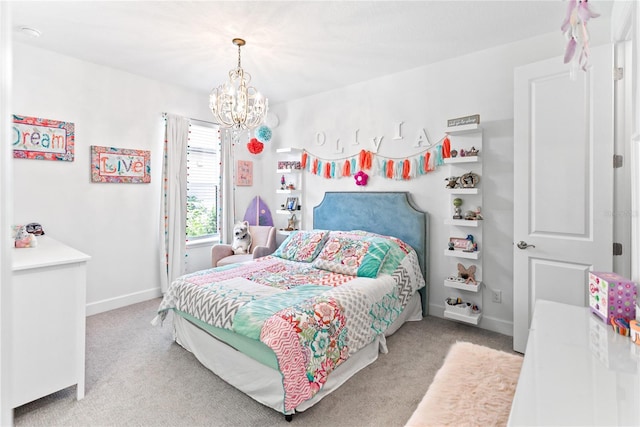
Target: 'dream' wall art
42	139
120	165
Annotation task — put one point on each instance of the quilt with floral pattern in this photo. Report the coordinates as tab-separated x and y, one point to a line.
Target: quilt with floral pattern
312	318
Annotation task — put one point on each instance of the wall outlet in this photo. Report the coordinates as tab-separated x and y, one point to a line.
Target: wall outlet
496	296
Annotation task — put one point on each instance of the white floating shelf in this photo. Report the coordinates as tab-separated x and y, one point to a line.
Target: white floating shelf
461	254
288	150
465	287
285	212
285	232
465	159
288	191
462	129
471	318
288	170
462	190
462	222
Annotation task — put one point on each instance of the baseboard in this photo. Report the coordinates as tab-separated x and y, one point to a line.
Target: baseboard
122	301
489	323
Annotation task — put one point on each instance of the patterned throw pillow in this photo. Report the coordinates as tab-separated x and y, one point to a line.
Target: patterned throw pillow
398	249
302	246
361	257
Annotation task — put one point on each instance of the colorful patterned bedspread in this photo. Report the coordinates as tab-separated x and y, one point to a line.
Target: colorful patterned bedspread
312	319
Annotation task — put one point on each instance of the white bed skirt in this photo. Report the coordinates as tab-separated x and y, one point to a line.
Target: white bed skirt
263	383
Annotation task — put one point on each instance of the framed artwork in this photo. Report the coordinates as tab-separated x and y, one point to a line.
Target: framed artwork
120	165
292	203
459	243
244	173
42	139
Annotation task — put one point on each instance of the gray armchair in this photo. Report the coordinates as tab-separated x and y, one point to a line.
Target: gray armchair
263	243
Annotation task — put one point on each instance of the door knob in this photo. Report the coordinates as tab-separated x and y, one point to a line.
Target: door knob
524	245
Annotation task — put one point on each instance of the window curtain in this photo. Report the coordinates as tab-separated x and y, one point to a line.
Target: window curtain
174	200
227	204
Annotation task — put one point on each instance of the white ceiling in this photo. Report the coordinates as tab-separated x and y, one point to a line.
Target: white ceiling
294	49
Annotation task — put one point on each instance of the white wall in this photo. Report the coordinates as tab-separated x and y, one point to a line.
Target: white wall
426	97
117	224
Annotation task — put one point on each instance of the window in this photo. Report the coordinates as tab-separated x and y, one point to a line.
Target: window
203	180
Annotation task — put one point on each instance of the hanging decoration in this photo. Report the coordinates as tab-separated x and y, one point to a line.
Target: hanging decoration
387	167
263	133
254	146
361	178
574	28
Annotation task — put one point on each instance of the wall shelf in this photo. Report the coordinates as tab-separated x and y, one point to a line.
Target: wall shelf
285	212
462	222
464	137
461	254
465	159
288	170
286	150
461	130
289	177
471	318
463	286
462	190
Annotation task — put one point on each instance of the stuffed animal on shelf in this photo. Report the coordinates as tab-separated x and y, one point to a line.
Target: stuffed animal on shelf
468	274
241	238
24	239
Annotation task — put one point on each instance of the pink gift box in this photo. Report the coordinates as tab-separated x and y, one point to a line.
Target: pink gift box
611	296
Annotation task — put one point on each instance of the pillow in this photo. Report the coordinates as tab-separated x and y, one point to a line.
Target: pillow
302	246
356	257
398	248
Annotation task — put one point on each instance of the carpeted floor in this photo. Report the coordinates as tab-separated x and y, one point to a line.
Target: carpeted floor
137	376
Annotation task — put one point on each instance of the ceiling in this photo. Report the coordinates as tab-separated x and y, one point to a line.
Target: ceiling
294	49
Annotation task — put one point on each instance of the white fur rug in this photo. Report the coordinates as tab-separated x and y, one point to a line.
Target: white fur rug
474	387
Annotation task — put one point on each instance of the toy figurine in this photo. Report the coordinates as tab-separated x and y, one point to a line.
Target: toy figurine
452	182
457	212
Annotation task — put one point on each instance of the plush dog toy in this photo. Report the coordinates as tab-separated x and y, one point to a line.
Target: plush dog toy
241	238
24	239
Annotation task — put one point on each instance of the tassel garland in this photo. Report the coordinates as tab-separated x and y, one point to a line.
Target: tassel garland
390	168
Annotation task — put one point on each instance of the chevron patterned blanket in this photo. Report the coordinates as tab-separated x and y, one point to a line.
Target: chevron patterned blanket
312	319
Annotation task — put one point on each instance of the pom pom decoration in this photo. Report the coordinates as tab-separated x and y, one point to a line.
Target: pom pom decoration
263	133
361	178
254	146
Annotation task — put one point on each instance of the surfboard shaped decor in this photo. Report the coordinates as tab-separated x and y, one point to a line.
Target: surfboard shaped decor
258	213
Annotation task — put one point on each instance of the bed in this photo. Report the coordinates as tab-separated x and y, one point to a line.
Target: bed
290	328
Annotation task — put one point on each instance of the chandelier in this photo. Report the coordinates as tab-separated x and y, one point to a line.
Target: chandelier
235	104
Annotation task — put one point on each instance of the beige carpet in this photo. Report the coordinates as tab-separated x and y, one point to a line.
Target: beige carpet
137	376
474	387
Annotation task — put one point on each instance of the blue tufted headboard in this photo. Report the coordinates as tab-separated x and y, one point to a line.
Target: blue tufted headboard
388	213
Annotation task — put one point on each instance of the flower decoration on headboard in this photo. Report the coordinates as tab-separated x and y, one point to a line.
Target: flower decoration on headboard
574	27
263	133
361	178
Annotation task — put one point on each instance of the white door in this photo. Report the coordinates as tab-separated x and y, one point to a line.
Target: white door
563	183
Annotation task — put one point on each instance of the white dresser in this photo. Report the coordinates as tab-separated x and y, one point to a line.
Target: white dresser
48	314
576	371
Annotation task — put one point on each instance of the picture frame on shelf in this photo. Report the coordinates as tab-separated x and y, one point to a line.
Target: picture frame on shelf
292	203
469	180
459	242
289	164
